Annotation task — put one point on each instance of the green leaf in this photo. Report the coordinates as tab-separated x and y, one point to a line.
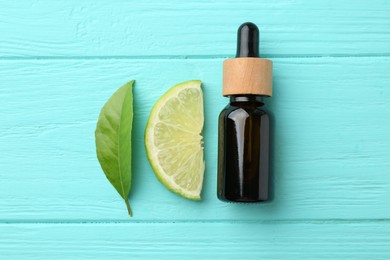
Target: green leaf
113	140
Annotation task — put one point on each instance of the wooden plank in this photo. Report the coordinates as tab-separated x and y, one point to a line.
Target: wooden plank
150	28
196	241
330	155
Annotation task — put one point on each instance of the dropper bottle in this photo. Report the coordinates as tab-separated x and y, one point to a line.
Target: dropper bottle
243	148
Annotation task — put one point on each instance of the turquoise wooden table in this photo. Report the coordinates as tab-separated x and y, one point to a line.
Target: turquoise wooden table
61	60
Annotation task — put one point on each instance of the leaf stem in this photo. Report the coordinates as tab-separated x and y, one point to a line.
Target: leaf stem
128	207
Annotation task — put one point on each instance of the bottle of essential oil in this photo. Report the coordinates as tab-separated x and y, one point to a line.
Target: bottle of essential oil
243	149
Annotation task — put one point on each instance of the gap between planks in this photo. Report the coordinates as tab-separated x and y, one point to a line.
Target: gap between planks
279	222
188	57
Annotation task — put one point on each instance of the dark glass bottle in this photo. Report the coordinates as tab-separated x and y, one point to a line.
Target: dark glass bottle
243	150
243	141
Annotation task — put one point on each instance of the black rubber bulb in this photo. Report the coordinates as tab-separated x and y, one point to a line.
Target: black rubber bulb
247	40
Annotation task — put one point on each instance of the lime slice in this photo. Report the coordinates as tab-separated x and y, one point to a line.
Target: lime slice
173	139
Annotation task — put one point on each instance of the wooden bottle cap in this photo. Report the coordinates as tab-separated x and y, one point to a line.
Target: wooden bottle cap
251	76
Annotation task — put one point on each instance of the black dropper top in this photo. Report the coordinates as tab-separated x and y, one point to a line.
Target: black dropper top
248	40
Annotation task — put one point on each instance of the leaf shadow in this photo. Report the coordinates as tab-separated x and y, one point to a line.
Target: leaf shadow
137	145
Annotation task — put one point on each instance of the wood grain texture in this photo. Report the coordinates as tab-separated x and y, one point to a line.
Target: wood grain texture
150	28
330	155
61	60
196	241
